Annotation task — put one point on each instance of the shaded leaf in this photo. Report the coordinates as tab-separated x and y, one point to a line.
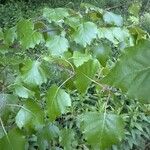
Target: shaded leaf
46	134
67	138
132	72
10	36
1	34
15	140
102	53
85	73
57	102
30	116
103	130
27	35
56	15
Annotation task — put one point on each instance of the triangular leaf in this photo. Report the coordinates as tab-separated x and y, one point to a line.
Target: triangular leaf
57	45
30	116
57	102
132	72
22	91
32	74
102	53
114	19
85	73
13	141
27	35
56	15
116	35
85	33
79	58
103	130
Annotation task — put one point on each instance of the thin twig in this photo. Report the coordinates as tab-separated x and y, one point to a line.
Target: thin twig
113	7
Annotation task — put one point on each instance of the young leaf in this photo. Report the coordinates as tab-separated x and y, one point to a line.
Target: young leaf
15	140
111	18
85	73
85	33
57	101
103	130
32	74
30	116
132	72
57	45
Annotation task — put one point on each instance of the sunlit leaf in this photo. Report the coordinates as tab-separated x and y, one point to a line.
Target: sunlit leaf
114	19
33	74
79	58
85	33
57	45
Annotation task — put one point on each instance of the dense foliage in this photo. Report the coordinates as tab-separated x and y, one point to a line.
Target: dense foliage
75	80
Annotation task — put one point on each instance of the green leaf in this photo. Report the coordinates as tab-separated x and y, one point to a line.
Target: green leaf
103	130
132	72
79	58
56	15
22	91
102	53
10	36
4	100
85	73
85	33
1	34
13	141
57	45
27	35
134	9
46	134
138	34
72	21
114	19
30	116
32	74
116	35
57	102
67	138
